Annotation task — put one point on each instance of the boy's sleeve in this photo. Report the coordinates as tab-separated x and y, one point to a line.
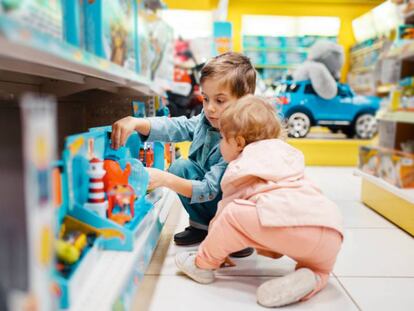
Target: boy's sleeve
172	129
208	188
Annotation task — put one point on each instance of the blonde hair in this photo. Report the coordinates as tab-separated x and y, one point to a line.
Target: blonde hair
235	69
252	118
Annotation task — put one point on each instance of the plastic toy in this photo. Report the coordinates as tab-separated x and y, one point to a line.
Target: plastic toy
121	198
121	195
114	174
325	60
96	196
302	108
70	245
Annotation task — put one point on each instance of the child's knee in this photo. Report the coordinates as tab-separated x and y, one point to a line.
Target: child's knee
181	168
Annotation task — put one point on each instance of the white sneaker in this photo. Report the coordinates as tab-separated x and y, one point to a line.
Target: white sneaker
287	289
186	263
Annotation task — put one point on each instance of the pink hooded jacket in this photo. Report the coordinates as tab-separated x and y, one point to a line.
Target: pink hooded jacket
270	174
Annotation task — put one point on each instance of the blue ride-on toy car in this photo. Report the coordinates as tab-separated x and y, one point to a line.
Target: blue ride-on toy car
302	108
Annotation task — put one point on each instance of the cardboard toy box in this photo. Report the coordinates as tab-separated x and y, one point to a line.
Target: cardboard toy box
111	31
44	16
395	167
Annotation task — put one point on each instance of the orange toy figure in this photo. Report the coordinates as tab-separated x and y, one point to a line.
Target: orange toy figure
114	174
119	192
121	196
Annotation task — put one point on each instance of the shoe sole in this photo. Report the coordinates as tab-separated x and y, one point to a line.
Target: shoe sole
242	255
187	243
293	288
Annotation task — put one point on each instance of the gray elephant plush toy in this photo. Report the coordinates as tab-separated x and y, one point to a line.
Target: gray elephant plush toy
325	60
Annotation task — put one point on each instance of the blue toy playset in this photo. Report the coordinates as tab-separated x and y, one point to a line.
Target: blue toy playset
104	200
302	108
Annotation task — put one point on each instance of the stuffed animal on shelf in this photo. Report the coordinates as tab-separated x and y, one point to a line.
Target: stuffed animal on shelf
322	68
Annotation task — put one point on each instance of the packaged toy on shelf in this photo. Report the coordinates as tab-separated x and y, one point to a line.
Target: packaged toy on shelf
395	167
73	22
41	16
111	31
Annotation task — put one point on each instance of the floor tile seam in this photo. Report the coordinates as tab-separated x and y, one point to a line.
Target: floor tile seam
347	293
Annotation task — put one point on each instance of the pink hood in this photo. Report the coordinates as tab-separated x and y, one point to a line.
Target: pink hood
270	174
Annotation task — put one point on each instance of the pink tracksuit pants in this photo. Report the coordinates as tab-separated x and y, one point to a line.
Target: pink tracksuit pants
238	226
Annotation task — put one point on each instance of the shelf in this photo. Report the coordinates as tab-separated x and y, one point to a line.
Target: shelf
28	52
393	203
119	272
397	116
363	69
276	49
328	149
366	50
405	194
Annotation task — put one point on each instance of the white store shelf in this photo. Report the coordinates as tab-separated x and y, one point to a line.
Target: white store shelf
405	194
110	278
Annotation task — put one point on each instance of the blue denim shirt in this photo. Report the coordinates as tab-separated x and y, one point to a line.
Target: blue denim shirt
204	150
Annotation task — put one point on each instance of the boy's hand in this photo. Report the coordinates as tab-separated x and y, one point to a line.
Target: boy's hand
157	178
124	127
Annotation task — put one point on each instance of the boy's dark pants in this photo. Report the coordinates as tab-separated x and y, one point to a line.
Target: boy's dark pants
200	213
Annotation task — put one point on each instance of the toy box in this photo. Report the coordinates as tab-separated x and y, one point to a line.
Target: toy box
73	29
395	167
253	41
27	223
40	15
111	31
274	58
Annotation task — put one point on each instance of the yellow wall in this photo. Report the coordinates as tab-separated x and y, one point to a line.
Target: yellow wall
345	11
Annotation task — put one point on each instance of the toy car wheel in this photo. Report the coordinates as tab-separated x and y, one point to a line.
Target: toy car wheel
365	126
298	125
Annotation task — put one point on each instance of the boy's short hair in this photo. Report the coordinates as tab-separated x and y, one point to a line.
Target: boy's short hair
235	69
252	118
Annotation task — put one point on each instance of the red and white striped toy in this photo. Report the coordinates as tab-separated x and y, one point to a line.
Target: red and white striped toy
96	194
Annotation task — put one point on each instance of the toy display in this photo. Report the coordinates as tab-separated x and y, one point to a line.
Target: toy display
299	104
73	22
44	16
110	31
395	167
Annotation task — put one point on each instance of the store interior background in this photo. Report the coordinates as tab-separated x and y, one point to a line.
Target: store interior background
371	180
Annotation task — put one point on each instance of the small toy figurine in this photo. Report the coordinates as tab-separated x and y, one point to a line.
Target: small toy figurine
120	194
96	196
70	245
121	197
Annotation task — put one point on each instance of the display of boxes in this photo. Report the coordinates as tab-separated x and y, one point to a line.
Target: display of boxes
43	16
393	166
111	31
73	22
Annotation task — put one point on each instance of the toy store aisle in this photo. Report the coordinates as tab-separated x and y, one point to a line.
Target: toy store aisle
374	270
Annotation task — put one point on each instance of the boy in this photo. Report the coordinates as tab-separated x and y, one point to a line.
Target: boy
224	79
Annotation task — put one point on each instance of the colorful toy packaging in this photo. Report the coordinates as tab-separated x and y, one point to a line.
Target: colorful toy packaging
73	23
110	31
395	167
41	15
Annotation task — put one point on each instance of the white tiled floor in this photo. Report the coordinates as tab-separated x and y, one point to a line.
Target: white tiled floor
374	271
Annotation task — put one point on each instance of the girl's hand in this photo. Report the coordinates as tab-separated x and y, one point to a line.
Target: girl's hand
157	178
